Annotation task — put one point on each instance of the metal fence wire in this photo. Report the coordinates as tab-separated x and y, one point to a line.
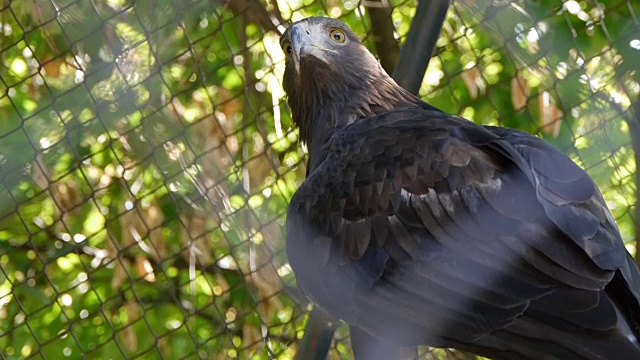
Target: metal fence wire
147	155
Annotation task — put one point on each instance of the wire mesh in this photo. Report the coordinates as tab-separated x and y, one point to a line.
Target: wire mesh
147	155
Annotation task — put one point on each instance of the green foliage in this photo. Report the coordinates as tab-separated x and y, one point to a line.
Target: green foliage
147	157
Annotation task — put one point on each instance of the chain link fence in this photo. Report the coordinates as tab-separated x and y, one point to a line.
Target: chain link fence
147	155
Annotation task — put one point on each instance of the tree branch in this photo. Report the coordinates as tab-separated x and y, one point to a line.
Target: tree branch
318	335
425	29
383	30
256	12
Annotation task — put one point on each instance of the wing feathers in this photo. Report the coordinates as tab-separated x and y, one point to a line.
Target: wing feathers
466	236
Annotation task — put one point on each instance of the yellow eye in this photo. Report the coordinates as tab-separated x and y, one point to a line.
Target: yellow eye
287	48
338	35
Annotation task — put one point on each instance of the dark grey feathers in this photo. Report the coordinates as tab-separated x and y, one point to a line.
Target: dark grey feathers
418	227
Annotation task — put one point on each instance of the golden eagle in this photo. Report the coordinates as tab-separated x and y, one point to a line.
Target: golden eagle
419	227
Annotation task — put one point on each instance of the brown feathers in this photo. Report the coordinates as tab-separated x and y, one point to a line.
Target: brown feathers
419	227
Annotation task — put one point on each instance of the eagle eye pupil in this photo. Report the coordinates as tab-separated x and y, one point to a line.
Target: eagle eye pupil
337	35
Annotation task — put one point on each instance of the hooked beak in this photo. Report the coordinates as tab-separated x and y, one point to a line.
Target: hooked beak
305	43
301	41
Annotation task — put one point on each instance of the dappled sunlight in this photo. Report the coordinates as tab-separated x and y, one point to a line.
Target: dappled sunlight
148	156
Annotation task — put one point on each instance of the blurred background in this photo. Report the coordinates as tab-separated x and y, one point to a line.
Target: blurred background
147	155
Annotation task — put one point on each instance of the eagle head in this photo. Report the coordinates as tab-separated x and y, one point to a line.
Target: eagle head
331	79
324	44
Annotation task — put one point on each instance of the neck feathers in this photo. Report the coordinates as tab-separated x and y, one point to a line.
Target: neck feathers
332	99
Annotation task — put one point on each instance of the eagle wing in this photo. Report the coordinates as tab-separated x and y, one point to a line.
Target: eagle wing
449	233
